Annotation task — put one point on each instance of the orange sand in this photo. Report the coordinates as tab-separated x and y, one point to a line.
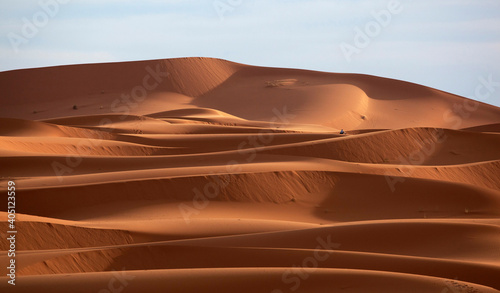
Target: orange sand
214	176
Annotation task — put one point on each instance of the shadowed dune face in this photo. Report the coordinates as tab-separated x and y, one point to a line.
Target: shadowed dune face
117	87
343	100
203	175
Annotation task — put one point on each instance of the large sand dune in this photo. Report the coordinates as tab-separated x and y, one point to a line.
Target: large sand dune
203	175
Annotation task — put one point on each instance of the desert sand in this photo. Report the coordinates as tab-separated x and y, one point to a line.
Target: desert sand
204	175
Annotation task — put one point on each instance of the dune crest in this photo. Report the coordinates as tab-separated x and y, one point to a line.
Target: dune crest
204	175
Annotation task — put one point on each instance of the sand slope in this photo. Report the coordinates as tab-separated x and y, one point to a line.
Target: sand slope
203	175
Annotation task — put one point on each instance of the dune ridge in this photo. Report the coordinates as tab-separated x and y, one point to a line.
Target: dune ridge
204	175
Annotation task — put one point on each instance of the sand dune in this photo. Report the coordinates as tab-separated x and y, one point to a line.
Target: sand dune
203	175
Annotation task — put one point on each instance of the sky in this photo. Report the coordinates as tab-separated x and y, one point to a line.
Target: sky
451	45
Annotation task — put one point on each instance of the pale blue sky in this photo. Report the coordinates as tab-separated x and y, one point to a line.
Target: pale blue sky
444	44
